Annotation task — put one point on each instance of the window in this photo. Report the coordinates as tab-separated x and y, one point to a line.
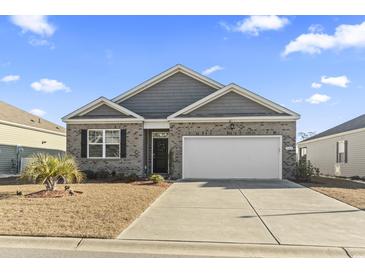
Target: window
103	143
303	153
342	152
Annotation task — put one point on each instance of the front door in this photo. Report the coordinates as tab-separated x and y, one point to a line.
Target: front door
160	155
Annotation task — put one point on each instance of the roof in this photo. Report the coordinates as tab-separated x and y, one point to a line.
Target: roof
165	74
241	91
356	123
96	103
12	114
281	113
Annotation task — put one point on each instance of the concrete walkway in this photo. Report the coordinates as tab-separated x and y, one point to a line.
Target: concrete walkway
249	212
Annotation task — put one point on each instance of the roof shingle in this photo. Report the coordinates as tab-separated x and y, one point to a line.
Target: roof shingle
13	114
356	123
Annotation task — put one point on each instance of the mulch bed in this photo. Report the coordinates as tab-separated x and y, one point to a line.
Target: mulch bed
53	194
67	193
151	183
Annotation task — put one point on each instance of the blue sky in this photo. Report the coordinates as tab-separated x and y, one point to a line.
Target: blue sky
81	58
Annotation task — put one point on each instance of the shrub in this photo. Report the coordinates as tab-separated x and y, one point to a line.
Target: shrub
156	178
132	177
304	170
90	174
355	178
102	174
51	170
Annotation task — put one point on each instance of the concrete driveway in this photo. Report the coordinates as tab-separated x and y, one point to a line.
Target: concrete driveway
257	212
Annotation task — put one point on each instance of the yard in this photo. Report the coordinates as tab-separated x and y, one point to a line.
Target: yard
104	210
349	192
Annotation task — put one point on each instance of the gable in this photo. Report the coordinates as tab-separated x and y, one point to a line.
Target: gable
104	111
101	108
168	96
231	104
219	106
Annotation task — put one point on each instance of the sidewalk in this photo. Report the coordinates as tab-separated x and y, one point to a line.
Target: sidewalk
176	249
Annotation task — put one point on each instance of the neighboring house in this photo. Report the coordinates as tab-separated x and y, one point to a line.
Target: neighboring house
22	134
339	151
185	125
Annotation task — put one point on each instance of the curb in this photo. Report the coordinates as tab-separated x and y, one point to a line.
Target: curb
39	242
186	249
213	249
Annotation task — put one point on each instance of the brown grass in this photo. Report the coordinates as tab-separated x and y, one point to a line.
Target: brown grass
102	211
349	192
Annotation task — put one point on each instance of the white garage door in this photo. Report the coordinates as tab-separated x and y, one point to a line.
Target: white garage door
221	157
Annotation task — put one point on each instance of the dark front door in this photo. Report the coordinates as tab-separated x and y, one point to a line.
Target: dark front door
160	157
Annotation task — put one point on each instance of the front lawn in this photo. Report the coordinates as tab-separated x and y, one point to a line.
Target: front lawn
349	192
102	211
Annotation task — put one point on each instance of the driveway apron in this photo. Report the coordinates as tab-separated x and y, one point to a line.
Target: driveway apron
249	211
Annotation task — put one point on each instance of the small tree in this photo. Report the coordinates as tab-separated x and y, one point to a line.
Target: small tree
51	170
304	170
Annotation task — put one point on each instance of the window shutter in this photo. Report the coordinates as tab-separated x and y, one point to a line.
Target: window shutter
346	145
123	143
337	160
83	143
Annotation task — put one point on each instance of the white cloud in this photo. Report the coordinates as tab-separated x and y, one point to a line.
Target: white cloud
35	42
345	36
37	24
49	86
38	112
10	78
316	85
318	98
340	81
297	101
316	28
212	70
257	23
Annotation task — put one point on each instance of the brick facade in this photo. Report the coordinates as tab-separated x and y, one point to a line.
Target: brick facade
136	145
178	130
132	163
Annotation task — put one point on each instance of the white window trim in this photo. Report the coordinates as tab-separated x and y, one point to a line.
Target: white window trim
341	160
103	144
301	155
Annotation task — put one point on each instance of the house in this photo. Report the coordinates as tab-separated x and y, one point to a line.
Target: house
185	125
22	134
338	151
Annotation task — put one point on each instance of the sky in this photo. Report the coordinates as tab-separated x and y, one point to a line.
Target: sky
313	65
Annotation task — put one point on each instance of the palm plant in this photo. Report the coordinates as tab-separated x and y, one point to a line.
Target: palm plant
50	170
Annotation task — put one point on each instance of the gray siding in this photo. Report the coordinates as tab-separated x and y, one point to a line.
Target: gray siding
168	96
231	104
104	111
9	158
322	154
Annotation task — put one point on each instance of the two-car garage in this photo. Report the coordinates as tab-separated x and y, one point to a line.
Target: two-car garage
222	157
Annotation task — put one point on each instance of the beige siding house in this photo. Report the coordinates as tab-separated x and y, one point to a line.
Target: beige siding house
339	151
22	134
